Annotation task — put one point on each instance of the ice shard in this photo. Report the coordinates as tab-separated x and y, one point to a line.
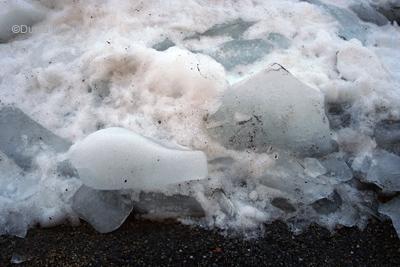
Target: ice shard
392	209
387	135
272	108
20	136
241	52
234	29
384	171
161	206
116	158
105	210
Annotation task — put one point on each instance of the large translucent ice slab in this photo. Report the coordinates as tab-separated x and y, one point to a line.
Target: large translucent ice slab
116	158
392	209
272	108
20	137
104	210
241	52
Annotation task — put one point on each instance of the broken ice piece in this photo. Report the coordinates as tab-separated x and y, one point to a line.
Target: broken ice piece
224	203
104	210
313	168
385	171
234	29
240	52
328	204
116	158
392	209
350	26
369	14
161	206
283	112
164	45
19	133
387	135
337	168
287	175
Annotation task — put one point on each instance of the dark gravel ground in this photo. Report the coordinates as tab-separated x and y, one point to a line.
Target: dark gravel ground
144	243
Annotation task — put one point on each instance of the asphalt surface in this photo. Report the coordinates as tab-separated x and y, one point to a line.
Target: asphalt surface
145	243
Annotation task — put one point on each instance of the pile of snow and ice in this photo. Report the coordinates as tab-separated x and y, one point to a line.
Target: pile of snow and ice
115	108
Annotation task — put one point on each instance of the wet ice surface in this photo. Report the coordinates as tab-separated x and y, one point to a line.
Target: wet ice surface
265	111
210	130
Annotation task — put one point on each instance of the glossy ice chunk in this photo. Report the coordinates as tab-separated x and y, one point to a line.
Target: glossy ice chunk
158	205
392	209
275	109
116	158
21	137
234	29
241	52
104	210
385	171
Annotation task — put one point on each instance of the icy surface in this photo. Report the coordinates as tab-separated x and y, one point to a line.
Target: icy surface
317	145
116	158
392	209
21	137
265	111
104	210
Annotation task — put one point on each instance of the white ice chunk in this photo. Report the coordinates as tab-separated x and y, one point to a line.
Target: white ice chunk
116	158
104	210
313	168
392	209
281	112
